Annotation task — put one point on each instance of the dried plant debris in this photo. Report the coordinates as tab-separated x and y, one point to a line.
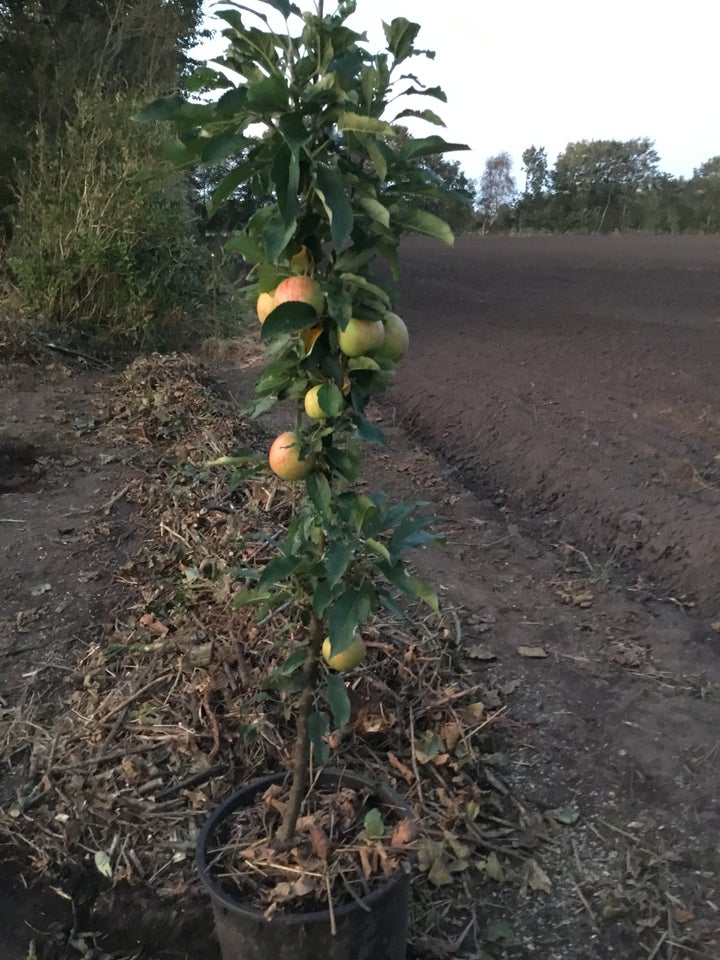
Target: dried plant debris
183	698
348	843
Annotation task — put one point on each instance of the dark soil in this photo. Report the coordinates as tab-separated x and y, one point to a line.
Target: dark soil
579	376
571	453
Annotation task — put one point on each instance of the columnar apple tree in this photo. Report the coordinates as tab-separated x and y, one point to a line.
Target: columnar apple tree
307	112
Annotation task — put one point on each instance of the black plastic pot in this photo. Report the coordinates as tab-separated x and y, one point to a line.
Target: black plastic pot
373	929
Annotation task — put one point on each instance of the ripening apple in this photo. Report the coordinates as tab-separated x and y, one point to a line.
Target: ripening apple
302	289
284	458
265	305
349	658
361	337
396	342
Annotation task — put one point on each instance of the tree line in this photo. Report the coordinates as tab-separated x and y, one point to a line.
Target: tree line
102	238
599	186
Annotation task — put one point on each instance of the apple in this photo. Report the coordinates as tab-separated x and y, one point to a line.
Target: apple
284	458
361	337
302	289
397	339
349	658
265	305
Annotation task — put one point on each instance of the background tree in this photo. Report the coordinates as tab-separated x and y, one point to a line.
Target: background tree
596	183
531	206
497	187
52	49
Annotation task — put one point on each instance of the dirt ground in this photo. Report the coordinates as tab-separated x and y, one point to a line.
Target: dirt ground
570	452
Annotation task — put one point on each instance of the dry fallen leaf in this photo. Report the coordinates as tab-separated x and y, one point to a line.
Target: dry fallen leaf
405	832
404	771
535	877
439	874
319	841
533	653
451	733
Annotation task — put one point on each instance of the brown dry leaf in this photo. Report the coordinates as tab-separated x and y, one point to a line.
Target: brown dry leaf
480	652
404	771
533	653
509	687
441	759
371	719
261	494
451	733
303	886
683	916
365	862
405	832
715	626
474	711
535	877
319	842
149	620
491	867
129	769
439	874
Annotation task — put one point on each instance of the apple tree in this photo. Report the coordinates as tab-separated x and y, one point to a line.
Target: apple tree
303	113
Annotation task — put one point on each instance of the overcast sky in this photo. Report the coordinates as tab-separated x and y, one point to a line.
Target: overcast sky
524	72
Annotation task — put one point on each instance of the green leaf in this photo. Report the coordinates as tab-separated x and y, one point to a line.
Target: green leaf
437	92
204	77
237	176
285	7
377	549
278	569
344	462
373	208
287	318
164	108
285	172
319	492
346	614
369	431
296	659
373	823
349	122
427	146
396	574
247	246
332	193
294	131
221	146
322	595
337	557
318	729
420	221
429	115
363	509
246	597
330	400
268	96
400	35
276	235
338	700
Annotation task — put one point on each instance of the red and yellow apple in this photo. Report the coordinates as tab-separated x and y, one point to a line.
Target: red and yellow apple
284	458
302	289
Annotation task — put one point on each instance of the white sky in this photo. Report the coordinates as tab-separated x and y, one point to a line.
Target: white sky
547	72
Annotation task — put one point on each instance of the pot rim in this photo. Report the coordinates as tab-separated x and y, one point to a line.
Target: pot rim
235	800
